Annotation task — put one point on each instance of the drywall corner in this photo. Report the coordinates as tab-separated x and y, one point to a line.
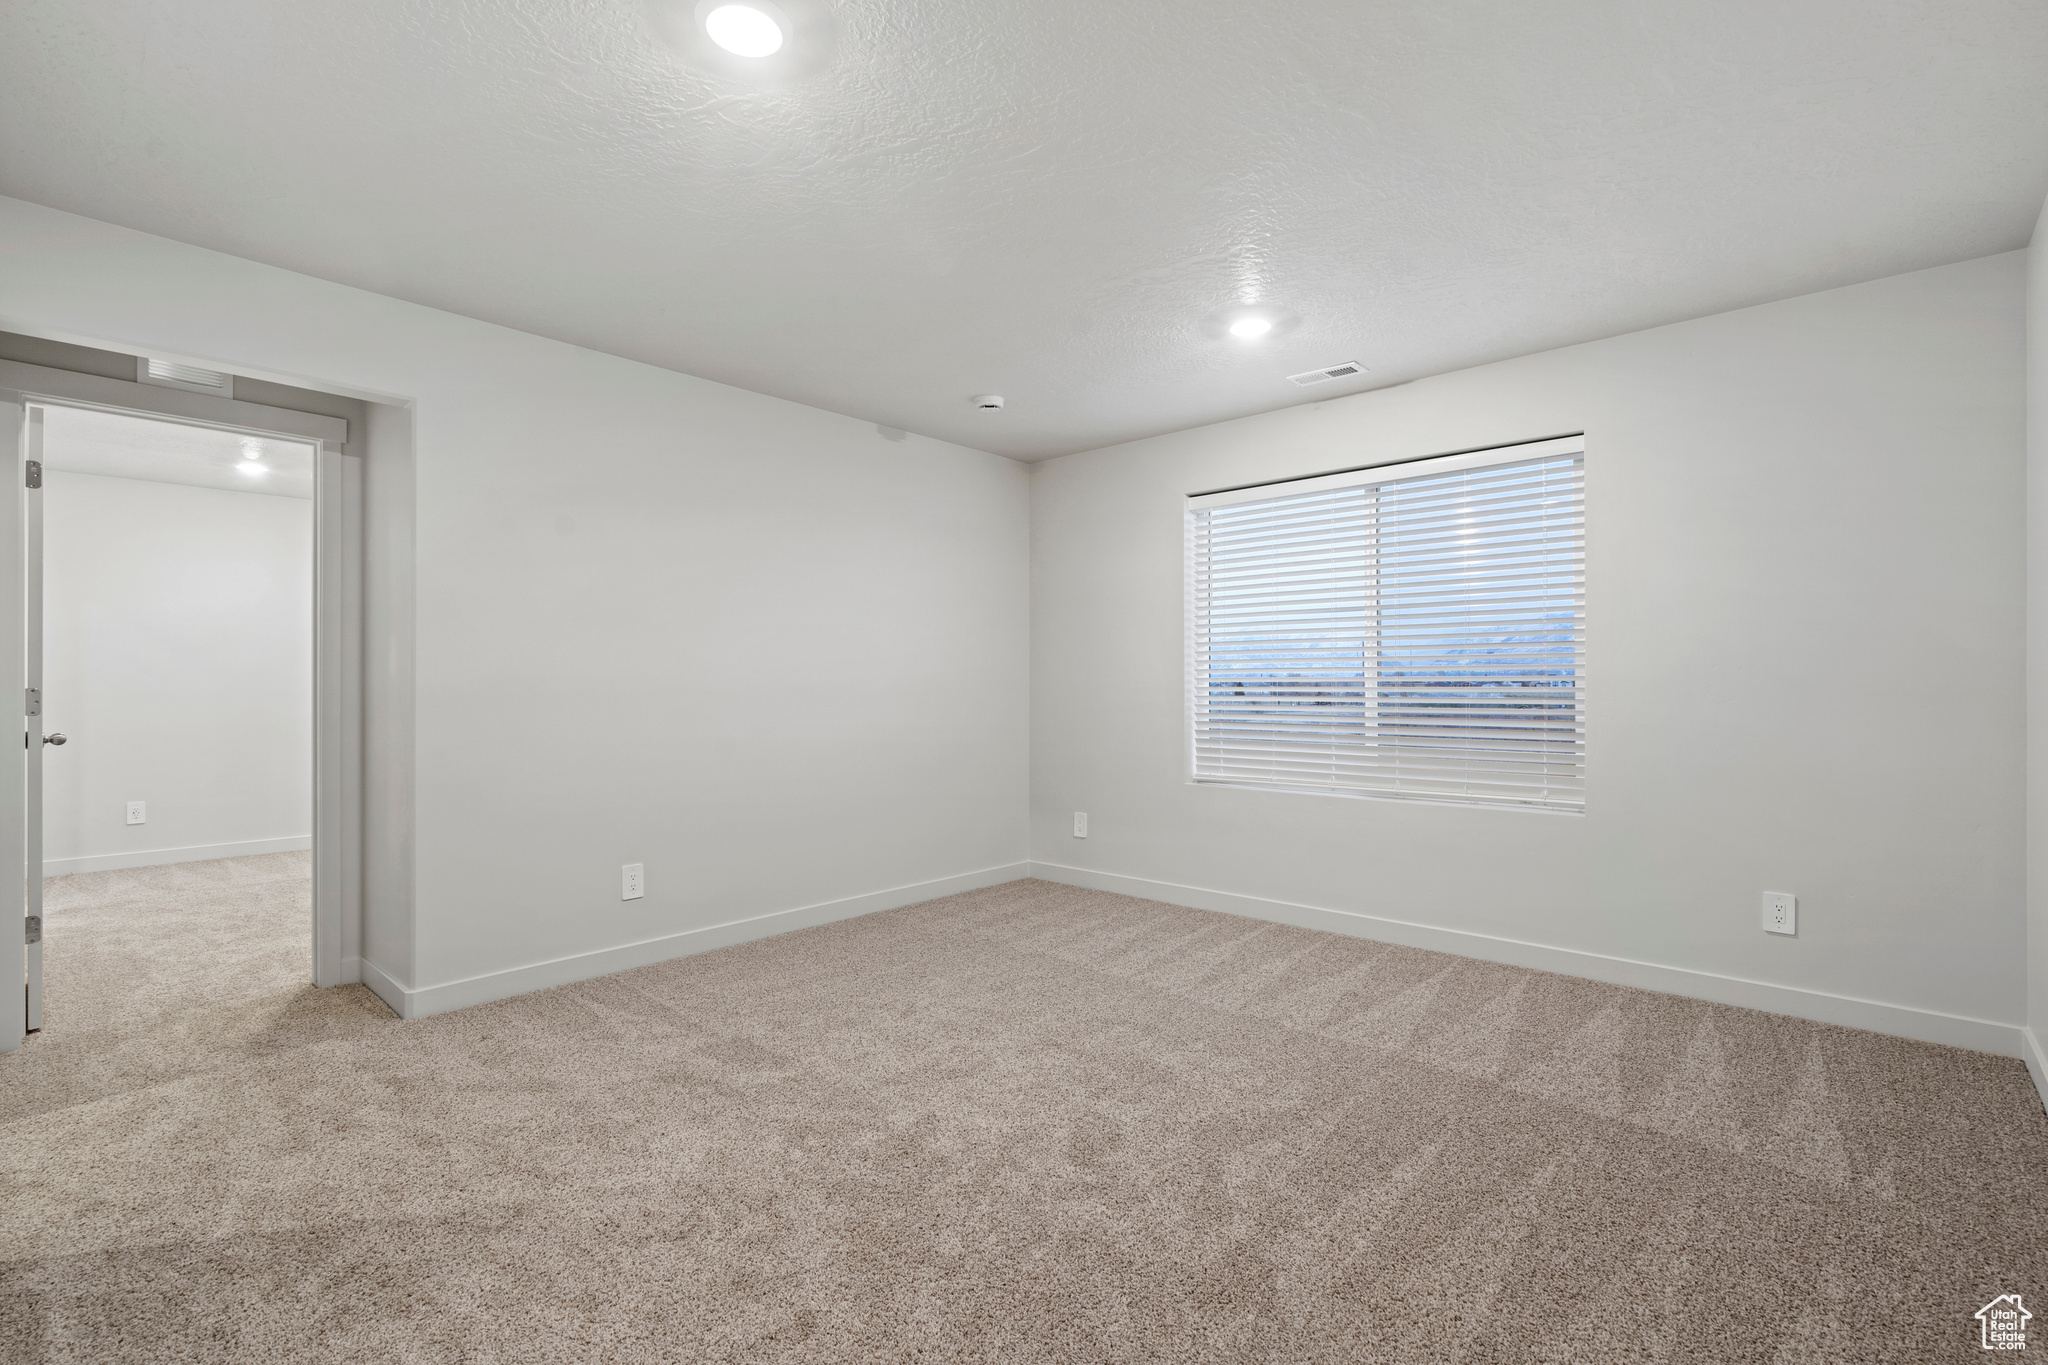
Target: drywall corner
388	702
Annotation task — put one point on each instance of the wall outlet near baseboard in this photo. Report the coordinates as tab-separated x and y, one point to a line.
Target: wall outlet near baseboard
632	881
1781	912
138	812
1080	824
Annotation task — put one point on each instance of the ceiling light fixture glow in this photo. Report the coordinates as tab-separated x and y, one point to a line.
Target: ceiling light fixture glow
1251	328
253	467
744	31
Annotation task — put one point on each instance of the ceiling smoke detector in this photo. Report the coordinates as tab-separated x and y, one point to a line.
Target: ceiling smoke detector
1325	375
988	402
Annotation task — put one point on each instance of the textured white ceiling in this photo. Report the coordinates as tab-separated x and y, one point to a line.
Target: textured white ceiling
1050	200
84	441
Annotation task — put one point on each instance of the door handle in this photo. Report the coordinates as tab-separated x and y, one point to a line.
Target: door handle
57	738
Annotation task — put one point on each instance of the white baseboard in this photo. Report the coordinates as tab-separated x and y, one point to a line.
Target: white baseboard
157	857
1905	1021
475	990
2037	1062
383	985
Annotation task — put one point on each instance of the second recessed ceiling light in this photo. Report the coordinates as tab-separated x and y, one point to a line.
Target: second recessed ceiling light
744	31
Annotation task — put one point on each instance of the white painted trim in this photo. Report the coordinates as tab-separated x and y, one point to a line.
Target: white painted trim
382	984
337	703
157	857
1393	471
336	920
1905	1021
68	388
476	990
14	865
2037	1062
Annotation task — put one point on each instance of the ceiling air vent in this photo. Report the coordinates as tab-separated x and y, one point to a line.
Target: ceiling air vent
1324	376
173	375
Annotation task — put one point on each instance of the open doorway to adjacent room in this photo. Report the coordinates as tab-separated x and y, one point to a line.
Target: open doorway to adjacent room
184	609
177	643
188	818
171	592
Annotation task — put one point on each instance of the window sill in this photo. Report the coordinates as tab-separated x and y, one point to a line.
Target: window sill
1414	799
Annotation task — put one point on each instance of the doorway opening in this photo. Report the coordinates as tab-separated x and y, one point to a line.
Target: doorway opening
176	689
189	588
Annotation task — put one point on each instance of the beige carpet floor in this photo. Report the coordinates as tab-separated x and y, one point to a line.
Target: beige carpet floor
1026	1124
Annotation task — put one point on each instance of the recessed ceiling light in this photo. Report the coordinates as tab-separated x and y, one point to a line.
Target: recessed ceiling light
1250	322
253	467
744	31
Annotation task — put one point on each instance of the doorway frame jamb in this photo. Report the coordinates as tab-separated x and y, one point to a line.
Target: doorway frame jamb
337	622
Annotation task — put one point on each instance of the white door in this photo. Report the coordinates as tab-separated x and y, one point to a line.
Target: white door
33	739
15	868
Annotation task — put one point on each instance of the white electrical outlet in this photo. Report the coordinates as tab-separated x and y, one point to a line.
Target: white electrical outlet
138	812
1781	912
1080	824
632	881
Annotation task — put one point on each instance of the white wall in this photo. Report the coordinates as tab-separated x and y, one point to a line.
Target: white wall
178	638
1805	621
768	651
2037	653
389	754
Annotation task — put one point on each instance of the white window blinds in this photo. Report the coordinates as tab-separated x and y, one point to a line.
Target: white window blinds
1412	631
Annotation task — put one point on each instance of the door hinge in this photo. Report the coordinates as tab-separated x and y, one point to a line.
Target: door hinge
32	926
35	473
35	701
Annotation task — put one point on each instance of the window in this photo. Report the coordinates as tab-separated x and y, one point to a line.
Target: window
1414	630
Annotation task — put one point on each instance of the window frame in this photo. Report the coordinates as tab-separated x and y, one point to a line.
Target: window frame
1386	472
